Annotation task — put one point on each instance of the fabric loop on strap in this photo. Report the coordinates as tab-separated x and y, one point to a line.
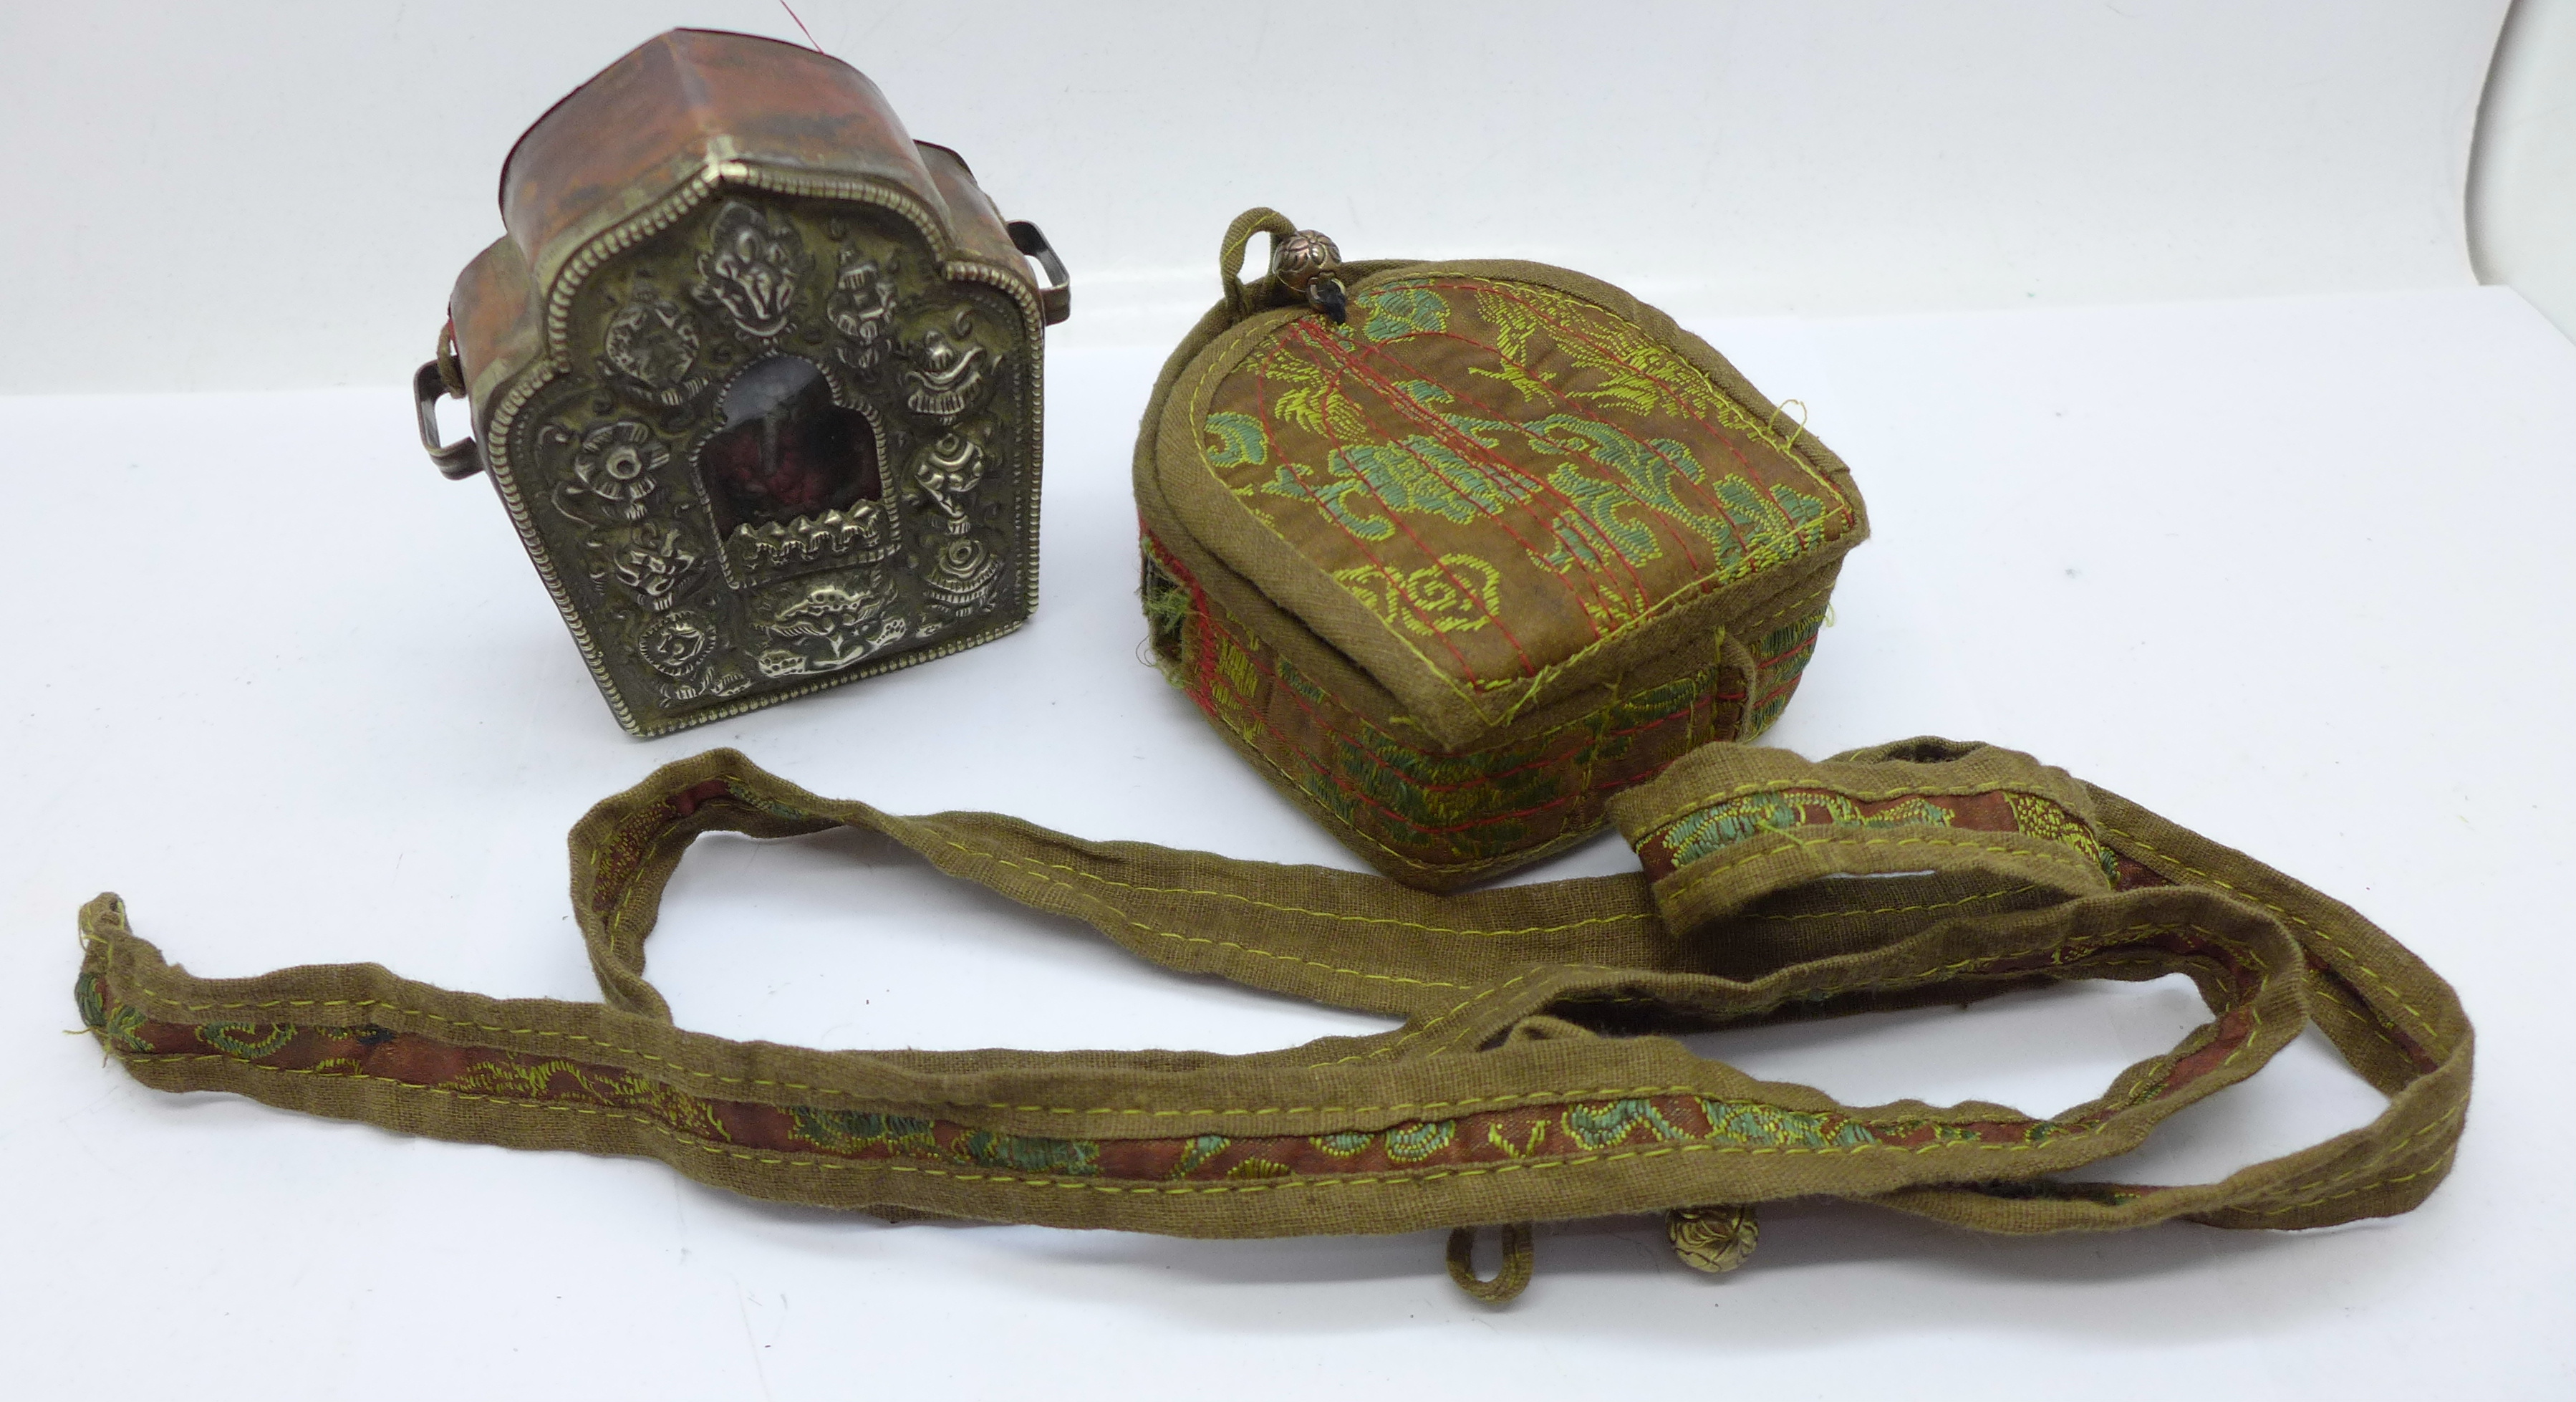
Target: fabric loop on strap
1508	1280
1229	258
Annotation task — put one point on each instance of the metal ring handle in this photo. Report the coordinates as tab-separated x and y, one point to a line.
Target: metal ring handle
440	377
1056	298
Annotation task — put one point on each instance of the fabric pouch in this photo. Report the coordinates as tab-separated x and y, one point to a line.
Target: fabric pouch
1452	551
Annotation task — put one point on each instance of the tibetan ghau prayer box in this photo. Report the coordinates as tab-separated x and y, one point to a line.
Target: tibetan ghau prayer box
757	377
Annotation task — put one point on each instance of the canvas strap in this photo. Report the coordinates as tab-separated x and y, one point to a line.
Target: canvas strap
1529	1080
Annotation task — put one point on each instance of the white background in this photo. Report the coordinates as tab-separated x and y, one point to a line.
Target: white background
2283	566
275	196
2522	182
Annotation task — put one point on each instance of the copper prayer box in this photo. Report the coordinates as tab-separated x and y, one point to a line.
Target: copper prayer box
757	377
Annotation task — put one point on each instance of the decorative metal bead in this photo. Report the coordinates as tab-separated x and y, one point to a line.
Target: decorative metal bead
1714	1239
1300	257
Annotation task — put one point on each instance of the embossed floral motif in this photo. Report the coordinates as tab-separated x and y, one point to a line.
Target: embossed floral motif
949	370
614	470
861	308
651	349
653	563
678	644
683	646
752	267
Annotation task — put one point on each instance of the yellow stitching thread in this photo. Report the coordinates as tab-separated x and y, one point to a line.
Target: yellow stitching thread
1902	981
1700	873
1194	412
1662	1151
658	1127
1487	992
2253	1035
1237	631
167	1000
1320	914
2378	1162
2422	1023
1237	628
889	1099
1134	923
615	918
2027	788
2439	1165
2252	1005
1554	844
1897	909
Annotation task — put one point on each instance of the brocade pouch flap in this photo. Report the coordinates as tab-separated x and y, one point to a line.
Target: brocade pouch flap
1493	483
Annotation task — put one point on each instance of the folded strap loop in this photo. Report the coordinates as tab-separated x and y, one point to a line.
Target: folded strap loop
1229	258
1509	1278
1728	825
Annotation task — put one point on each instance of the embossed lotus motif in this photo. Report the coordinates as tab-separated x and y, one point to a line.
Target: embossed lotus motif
616	466
677	644
654	565
651	347
861	308
948	370
752	268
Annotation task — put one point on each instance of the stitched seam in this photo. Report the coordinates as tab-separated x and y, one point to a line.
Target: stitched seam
1236	629
1701	874
169	1001
2252	1036
1697	588
1905	981
2028	788
1247	643
1296	783
1487	992
2422	1023
1531	682
1899	909
2252	1006
1126	1186
618	908
1923	976
1195	412
1261	717
2439	1165
888	1099
2378	1162
1633	916
1206	608
1080	894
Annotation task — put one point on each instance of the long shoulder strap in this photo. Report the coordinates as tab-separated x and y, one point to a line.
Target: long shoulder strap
1528	1081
